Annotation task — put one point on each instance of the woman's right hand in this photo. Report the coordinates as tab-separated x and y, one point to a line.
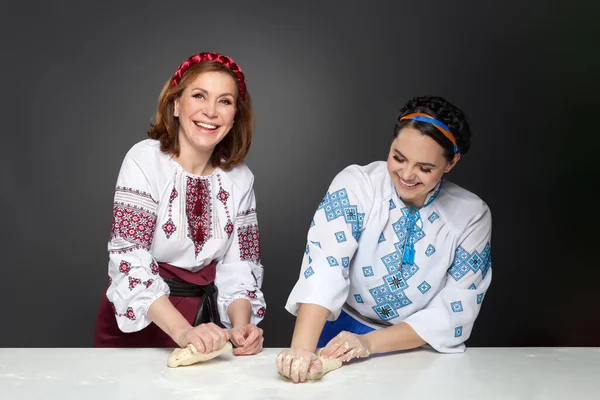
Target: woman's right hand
295	363
206	338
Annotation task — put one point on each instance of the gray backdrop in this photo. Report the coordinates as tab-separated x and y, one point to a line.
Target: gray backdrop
80	84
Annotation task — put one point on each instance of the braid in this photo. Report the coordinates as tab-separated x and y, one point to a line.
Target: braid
213	56
442	110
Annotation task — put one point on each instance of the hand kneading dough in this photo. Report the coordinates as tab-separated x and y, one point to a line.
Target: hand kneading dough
189	355
329	364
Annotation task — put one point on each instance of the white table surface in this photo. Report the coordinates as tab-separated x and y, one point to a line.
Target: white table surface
480	373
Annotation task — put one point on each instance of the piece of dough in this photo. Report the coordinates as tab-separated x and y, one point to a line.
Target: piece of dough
329	364
189	355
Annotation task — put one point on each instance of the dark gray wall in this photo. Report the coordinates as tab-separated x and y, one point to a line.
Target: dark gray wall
80	83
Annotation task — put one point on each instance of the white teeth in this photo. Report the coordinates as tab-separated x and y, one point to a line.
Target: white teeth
207	126
408	184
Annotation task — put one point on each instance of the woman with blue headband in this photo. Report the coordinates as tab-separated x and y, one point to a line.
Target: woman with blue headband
397	257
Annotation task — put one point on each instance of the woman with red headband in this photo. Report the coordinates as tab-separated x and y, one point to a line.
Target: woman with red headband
184	257
397	257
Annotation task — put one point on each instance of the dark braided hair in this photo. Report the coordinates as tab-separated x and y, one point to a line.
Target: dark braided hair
442	110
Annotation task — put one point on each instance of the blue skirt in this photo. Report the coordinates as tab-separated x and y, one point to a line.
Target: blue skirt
344	323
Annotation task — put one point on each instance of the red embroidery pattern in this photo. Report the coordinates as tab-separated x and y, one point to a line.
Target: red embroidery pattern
198	210
261	312
128	314
133	224
169	227
133	282
124	267
148	283
154	268
229	228
223	196
249	242
247	212
251	294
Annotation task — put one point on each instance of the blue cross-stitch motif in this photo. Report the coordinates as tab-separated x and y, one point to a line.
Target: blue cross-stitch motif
390	296
479	298
358	298
306	250
332	261
472	287
318	244
336	205
340	236
309	271
367	271
392	204
309	260
345	262
433	217
430	250
312	223
458	331
464	262
456	306
381	238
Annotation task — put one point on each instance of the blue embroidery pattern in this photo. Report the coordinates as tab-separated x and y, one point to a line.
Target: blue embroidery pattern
430	250
358	298
367	271
345	262
456	306
390	296
392	204
336	204
332	261
472	287
424	287
458	331
479	298
309	271
433	217
381	238
464	262
340	236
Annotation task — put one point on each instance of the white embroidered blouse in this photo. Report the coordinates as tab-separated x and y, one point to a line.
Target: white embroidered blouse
385	262
162	213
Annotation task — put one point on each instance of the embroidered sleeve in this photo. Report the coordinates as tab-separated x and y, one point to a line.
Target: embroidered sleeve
133	272
447	321
331	243
240	273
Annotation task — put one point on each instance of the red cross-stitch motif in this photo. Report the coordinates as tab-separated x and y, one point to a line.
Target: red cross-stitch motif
124	267
133	282
133	224
154	268
261	312
249	242
198	207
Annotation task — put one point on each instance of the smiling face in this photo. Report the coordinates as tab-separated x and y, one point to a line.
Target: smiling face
416	164
206	111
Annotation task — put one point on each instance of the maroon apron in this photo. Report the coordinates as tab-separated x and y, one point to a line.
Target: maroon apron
189	296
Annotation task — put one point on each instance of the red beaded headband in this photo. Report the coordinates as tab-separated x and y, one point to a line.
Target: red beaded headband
213	56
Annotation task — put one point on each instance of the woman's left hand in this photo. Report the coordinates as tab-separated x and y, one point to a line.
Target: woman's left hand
248	339
346	346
